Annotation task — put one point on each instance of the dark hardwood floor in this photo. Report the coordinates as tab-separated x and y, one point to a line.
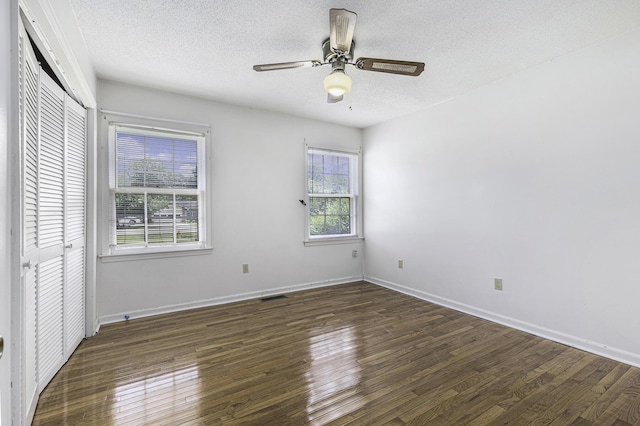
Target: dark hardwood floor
353	354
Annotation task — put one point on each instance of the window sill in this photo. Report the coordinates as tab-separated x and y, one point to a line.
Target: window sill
140	255
331	241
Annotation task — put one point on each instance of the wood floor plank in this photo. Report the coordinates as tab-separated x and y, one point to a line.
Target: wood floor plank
355	354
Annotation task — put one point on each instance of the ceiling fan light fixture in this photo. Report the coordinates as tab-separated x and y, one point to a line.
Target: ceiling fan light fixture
337	51
337	83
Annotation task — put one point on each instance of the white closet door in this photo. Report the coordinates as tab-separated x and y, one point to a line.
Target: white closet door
51	187
52	144
29	252
74	225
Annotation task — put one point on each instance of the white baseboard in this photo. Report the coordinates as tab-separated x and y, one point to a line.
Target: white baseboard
557	336
107	319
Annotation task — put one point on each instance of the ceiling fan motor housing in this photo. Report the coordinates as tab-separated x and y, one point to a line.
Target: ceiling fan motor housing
330	56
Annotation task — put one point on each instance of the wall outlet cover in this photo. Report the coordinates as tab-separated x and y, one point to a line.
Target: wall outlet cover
497	283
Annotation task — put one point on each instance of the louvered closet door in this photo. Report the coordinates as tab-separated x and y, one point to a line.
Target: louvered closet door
52	146
74	225
28	79
51	185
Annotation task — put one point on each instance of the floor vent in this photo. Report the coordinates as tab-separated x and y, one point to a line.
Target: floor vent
270	298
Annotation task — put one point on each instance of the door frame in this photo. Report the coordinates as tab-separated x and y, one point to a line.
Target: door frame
9	206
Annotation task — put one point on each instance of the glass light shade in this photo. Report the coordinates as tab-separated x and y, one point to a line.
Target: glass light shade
337	83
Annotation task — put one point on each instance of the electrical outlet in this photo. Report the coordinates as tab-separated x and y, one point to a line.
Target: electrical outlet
354	253
497	283
400	263
245	268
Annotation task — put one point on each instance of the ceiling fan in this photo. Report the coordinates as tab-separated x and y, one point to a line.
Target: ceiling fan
338	52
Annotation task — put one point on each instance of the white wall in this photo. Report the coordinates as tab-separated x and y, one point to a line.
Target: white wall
533	179
257	178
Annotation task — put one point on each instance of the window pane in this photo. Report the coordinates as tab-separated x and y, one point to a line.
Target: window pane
329	185
345	205
333	225
185	164
156	162
130	229
186	218
317	225
330	216
317	207
317	162
130	160
328	174
343	168
330	163
318	183
345	223
159	162
333	206
129	219
343	185
157	175
160	211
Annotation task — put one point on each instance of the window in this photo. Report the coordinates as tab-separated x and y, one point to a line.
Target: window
156	195
332	187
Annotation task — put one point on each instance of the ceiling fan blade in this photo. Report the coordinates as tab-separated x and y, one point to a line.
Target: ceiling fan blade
390	66
287	65
331	99
342	24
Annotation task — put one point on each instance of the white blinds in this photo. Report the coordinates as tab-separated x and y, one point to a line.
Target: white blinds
149	161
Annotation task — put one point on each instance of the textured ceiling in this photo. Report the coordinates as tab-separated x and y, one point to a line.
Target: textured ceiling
207	47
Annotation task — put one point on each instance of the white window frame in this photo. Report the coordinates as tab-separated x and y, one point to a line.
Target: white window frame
113	122
355	170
